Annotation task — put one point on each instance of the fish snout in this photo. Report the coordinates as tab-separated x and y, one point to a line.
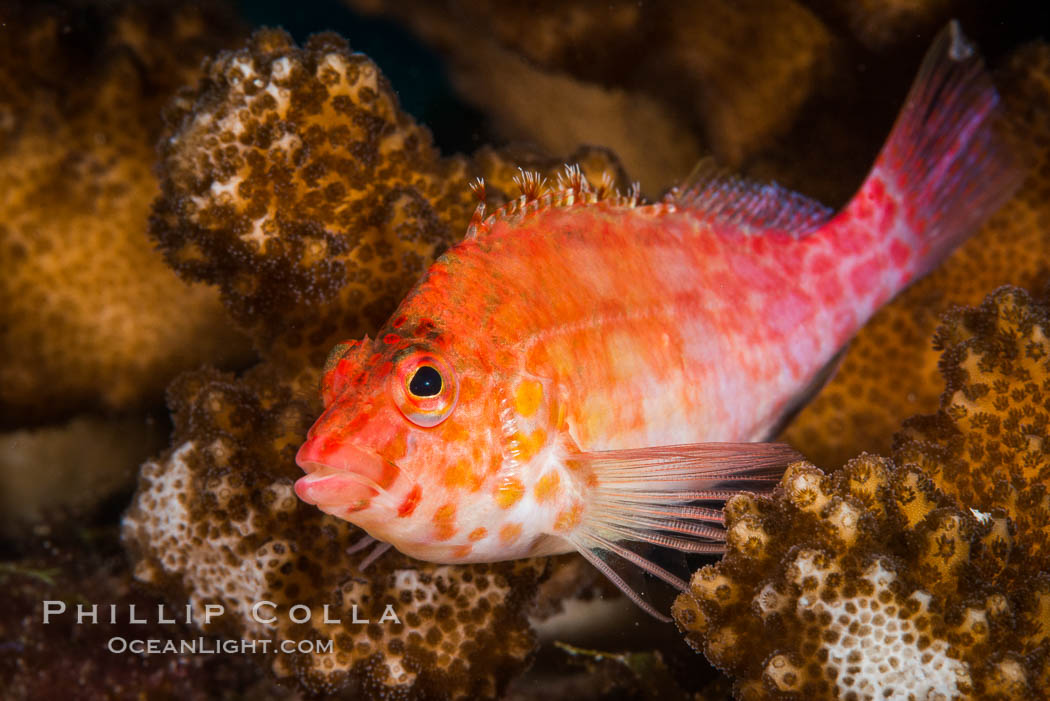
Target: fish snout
343	479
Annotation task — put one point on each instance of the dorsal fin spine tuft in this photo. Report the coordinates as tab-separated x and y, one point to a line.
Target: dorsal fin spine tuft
531	184
571	189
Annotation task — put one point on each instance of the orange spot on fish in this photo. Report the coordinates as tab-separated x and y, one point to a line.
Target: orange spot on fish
396	449
528	445
460	475
509	491
569	518
389	475
527	397
547	486
400	321
410	503
509	533
462	551
445	522
359	505
391	338
477	534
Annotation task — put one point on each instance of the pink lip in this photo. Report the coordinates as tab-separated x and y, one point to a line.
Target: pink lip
347	477
329	490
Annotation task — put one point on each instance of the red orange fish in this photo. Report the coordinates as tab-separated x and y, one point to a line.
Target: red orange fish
587	372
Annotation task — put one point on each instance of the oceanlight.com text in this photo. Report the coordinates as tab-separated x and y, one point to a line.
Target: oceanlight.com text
206	646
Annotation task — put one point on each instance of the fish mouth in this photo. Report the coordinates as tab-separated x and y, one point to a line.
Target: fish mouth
346	479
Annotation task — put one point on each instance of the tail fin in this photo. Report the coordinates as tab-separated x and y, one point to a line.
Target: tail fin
943	169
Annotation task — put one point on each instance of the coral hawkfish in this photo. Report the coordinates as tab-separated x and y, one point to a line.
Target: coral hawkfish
588	372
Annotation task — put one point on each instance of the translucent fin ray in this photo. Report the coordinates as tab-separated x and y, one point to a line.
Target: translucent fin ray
588	550
724	199
944	162
648	496
636	559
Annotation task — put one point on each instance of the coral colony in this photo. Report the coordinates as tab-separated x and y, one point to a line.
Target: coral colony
177	192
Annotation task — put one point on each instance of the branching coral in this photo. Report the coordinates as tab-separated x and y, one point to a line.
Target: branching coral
890	370
90	316
864	584
989	446
929	574
294	181
293	178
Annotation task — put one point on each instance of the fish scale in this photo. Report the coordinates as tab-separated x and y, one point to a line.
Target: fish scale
601	372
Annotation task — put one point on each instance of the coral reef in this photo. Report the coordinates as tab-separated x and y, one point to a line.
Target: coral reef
287	169
91	316
926	574
293	185
989	446
868	582
294	181
890	369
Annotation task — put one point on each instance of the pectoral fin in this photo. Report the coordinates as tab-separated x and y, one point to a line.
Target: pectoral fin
669	497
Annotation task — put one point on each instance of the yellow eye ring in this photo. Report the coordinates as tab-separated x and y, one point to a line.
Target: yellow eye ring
424	387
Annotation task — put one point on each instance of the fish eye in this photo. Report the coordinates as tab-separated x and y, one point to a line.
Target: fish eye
425	382
424	387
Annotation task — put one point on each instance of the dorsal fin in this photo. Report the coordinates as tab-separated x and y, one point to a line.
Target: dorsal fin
572	189
728	200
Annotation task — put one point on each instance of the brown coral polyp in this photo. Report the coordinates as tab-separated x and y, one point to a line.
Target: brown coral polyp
829	593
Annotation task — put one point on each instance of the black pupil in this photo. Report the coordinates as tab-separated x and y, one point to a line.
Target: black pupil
426	382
